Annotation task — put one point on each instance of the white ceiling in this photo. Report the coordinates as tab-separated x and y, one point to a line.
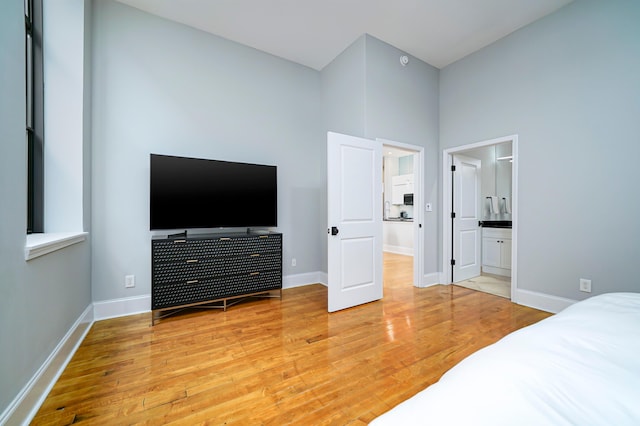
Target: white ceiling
314	32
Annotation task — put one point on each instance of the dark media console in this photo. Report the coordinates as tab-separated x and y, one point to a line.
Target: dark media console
213	269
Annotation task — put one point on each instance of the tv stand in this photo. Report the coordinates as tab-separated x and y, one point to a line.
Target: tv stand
213	270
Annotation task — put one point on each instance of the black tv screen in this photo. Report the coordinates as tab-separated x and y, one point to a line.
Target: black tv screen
190	193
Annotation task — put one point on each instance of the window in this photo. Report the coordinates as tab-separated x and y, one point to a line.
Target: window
35	115
54	47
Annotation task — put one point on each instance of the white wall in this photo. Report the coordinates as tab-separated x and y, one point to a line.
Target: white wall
568	86
162	87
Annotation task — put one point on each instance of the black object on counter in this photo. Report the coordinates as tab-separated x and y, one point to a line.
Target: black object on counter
495	224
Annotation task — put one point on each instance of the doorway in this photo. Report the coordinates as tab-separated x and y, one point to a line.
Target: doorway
402	215
354	217
497	207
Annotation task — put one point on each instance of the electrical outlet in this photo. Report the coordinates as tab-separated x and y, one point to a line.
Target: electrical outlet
129	281
585	285
293	262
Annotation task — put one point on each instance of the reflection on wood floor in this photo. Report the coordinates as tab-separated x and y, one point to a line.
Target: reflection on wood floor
398	270
277	362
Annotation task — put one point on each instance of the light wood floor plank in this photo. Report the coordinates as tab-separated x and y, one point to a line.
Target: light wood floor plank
276	362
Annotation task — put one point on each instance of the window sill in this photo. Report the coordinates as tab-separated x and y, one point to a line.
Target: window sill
40	244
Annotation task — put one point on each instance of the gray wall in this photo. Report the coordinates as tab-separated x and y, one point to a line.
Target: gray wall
402	106
41	299
343	105
368	93
568	86
344	91
161	87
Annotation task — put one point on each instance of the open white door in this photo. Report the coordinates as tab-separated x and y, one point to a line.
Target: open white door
354	184
466	223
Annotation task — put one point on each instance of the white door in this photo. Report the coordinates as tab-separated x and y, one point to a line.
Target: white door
468	212
354	184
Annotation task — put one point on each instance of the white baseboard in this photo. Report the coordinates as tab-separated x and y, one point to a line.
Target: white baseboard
140	304
299	280
430	279
26	404
398	249
121	307
528	298
324	278
496	271
542	301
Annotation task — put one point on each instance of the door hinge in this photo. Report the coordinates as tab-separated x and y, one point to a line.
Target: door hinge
453	262
453	215
453	168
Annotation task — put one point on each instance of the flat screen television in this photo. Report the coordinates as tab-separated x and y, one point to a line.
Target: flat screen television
188	193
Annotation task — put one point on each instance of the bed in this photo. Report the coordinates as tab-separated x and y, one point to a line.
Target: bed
579	367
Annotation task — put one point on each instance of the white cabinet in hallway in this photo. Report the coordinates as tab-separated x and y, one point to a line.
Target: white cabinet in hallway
496	251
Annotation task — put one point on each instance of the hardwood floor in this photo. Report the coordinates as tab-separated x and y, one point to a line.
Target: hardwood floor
276	362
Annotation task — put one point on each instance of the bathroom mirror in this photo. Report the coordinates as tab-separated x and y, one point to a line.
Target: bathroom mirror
503	170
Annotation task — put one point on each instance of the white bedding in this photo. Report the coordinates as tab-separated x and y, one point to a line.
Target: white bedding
579	367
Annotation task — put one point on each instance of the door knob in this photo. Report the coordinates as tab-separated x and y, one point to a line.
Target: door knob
334	230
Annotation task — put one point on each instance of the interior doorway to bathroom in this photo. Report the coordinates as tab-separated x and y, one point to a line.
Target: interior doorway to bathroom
480	216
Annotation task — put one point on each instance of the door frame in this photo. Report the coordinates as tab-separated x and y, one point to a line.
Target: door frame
418	206
447	161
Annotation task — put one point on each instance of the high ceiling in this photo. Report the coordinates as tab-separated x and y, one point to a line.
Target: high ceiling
314	32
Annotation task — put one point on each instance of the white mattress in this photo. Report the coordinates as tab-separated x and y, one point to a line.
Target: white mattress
579	367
